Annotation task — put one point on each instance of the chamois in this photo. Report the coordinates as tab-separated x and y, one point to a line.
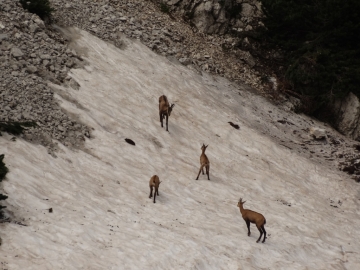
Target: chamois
154	182
253	217
165	110
204	162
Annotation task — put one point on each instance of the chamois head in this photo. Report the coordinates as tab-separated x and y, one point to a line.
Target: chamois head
170	108
240	203
203	147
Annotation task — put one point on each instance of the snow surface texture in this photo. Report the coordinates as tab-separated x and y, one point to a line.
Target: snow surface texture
102	217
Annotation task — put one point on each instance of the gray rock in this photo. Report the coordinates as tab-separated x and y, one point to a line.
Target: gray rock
33	27
16	52
3	37
39	22
348	114
317	133
61	128
185	61
45	56
31	69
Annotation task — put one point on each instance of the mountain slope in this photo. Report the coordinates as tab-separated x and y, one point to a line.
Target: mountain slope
102	217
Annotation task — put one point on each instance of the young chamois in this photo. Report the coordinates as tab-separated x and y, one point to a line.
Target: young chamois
154	183
253	217
165	110
204	162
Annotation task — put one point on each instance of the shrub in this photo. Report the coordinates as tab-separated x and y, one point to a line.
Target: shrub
40	7
164	7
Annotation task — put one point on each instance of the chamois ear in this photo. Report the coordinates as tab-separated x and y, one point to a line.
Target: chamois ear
206	146
172	105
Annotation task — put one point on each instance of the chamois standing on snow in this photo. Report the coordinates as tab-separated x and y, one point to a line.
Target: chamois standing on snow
204	162
253	217
165	110
154	183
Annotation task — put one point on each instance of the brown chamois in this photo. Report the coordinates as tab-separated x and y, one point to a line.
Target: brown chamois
154	182
165	110
253	217
204	162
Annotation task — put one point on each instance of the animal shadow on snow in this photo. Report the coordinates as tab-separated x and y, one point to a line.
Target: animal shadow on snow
160	199
213	178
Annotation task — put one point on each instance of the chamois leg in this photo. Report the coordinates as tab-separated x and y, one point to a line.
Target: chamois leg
161	120
261	233
151	189
263	228
208	171
202	170
202	166
154	195
248	226
157	191
167	118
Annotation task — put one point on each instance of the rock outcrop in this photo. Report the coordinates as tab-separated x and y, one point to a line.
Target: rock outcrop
348	116
219	16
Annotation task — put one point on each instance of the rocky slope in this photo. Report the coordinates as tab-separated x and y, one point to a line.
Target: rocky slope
32	54
168	35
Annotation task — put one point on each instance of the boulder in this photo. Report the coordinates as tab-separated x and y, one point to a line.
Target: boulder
16	52
348	113
317	133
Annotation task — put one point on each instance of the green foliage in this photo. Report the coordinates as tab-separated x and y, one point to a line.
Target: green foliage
321	43
3	172
15	128
164	7
40	7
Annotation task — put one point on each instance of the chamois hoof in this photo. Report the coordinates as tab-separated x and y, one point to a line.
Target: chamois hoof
154	202
150	196
249	234
257	241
